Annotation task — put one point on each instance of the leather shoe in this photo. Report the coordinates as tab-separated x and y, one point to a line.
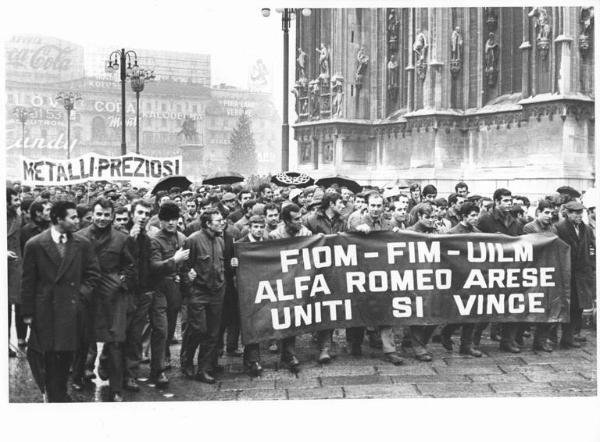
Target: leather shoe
423	357
447	342
512	348
203	376
324	357
470	351
579	338
88	375
254	369
394	358
160	380
293	364
569	344
217	369
542	347
116	397
188	371
131	385
236	353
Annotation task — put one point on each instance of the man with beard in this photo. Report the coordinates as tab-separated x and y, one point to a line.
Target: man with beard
327	220
60	270
167	262
499	220
191	211
580	238
420	334
372	221
121	221
271	212
469	212
204	297
111	296
461	189
265	193
290	227
148	302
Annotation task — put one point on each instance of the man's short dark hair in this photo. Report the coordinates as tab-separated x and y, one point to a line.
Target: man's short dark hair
262	187
121	209
9	193
38	206
83	209
140	202
525	200
59	210
516	210
373	194
545	204
500	193
272	206
429	189
248	205
329	197
414	186
423	209
105	203
460	185
468	207
207	217
168	211
286	211
452	199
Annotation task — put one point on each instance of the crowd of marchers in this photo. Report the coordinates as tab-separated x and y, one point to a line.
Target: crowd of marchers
108	264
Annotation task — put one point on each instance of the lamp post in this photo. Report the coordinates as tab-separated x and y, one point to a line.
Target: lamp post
22	114
138	77
116	61
287	15
68	99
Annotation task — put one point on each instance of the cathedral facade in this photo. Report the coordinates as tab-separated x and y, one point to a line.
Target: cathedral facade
496	97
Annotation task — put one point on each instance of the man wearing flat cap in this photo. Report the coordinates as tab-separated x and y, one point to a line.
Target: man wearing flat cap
580	238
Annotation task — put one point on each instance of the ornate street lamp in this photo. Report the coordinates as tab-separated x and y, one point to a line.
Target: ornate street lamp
22	114
116	61
287	15
68	99
138	77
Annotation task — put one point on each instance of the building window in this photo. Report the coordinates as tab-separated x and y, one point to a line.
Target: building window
328	152
305	153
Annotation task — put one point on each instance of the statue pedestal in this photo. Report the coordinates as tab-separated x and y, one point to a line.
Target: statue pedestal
193	165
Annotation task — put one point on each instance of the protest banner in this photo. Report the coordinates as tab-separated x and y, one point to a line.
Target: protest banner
96	167
298	285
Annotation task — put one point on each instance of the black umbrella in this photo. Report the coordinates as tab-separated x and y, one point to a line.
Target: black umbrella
169	182
35	357
223	178
341	181
289	178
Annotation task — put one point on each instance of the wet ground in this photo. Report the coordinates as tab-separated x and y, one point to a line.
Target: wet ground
496	374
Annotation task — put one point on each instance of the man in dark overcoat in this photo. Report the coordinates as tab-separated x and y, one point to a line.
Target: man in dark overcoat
59	270
13	242
580	238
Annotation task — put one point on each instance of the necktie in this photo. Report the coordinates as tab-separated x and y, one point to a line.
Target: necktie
62	245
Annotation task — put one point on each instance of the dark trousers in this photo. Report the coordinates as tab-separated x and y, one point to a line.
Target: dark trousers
466	335
204	314
355	336
575	318
84	359
508	333
324	339
57	364
420	336
154	306
111	359
251	353
288	348
231	319
172	293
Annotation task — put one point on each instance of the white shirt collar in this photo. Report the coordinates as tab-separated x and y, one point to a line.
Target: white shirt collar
56	234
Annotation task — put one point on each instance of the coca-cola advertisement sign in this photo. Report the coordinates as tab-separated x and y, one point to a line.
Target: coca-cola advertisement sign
43	59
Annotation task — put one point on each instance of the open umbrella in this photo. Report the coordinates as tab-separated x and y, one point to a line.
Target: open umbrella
341	181
289	178
169	182
223	178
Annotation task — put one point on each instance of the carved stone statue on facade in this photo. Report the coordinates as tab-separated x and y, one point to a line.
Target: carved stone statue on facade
587	31
420	48
338	95
315	94
392	29
323	61
491	19
492	51
392	77
456	51
542	25
301	63
362	61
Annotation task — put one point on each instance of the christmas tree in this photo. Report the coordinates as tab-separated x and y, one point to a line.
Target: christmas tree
242	156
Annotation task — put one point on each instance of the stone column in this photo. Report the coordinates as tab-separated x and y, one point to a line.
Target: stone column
526	57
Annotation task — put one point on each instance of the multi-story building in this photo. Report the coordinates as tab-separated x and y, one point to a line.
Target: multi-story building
180	114
499	97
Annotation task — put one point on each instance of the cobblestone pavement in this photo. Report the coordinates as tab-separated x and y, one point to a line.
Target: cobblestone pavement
496	374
